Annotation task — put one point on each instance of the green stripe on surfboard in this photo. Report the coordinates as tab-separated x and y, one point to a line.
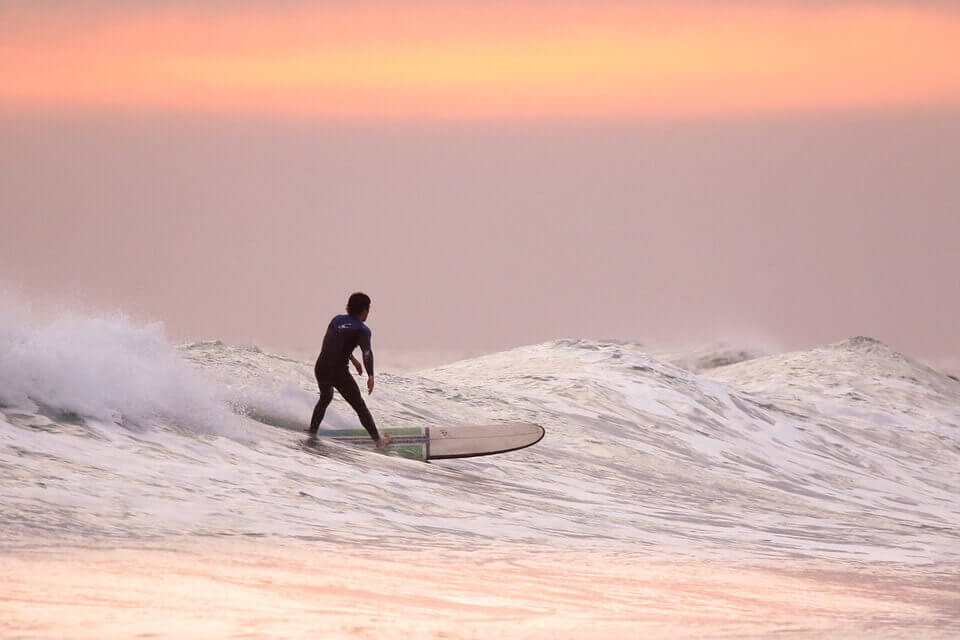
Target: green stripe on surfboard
350	433
411	442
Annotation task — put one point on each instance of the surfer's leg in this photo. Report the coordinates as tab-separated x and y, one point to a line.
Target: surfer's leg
326	395
348	388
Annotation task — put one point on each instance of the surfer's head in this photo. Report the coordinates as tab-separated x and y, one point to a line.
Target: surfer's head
359	305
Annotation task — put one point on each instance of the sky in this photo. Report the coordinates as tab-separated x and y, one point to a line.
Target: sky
492	173
480	59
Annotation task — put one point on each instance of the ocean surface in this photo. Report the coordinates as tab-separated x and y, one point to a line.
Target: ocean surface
847	455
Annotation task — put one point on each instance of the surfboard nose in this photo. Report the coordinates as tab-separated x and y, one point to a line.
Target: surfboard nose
466	441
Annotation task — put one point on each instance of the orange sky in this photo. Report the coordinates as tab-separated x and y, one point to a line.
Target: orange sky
483	59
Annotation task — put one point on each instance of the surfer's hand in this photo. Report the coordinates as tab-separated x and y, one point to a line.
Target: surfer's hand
370	384
356	363
384	441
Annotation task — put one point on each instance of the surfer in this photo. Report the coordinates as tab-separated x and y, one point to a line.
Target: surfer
344	334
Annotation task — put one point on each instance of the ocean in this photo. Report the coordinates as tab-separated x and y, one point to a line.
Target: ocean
152	488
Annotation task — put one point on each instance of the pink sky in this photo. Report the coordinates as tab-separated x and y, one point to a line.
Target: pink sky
479	59
492	176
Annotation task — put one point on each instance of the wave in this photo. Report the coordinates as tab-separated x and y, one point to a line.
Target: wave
849	451
106	369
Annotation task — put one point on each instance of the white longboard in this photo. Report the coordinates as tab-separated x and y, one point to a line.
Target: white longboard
436	443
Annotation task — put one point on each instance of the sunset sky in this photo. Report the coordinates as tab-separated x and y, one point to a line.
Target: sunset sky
780	171
480	59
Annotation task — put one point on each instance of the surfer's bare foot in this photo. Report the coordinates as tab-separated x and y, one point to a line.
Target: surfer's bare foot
384	441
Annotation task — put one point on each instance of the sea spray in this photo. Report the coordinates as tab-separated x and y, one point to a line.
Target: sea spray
108	369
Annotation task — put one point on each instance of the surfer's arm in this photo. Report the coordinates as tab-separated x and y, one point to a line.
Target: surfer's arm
356	364
367	351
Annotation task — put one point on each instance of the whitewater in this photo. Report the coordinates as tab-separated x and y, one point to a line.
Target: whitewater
842	460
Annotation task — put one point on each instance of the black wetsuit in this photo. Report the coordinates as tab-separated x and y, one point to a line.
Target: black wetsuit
344	334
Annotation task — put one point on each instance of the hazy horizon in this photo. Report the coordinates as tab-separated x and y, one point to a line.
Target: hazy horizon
492	175
801	230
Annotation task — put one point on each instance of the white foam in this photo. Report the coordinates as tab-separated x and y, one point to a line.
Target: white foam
105	368
770	456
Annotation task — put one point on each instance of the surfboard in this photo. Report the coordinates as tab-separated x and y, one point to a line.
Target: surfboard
438	443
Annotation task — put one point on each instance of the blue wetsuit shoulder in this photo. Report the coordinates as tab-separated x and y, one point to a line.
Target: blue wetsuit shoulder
344	334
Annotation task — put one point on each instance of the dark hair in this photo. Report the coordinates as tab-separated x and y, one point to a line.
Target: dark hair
358	303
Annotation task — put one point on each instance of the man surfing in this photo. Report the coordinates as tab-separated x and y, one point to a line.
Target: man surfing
344	334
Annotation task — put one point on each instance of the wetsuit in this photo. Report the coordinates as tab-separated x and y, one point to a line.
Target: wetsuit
344	334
